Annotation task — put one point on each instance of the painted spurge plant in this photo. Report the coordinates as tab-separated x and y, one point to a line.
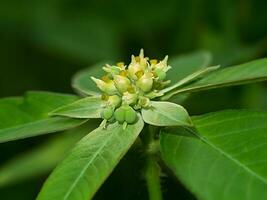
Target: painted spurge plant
220	155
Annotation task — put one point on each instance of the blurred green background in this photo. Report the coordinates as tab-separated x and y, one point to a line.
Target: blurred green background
43	43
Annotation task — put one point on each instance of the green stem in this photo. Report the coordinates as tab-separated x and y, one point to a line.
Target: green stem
152	174
152	170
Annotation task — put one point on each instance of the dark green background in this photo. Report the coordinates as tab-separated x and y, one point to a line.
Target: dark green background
44	42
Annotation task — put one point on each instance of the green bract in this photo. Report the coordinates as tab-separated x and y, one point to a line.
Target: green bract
221	155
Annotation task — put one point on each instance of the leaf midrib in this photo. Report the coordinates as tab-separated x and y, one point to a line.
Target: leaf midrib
86	108
170	117
229	157
86	166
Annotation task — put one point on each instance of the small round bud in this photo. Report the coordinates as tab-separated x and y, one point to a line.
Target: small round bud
107	113
130	115
125	114
119	115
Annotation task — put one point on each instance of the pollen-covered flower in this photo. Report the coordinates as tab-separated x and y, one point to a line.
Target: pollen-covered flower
127	89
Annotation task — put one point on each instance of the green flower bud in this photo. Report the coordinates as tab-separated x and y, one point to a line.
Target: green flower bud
137	64
125	114
160	74
144	102
162	65
107	113
130	115
145	83
122	83
114	100
113	70
133	68
105	86
142	59
129	98
119	114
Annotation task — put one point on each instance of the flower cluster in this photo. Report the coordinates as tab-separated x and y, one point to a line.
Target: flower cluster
127	89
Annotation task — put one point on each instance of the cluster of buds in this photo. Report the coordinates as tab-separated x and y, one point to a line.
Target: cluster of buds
127	89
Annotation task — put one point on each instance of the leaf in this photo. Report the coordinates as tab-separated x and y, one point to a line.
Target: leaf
28	116
241	74
185	65
91	161
72	38
196	75
225	159
166	114
89	107
83	83
44	157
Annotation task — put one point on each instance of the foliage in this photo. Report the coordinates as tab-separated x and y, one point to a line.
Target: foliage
220	155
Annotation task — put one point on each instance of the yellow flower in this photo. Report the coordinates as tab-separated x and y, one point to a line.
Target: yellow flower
162	65
129	98
138	64
122	83
113	70
114	100
145	83
105	86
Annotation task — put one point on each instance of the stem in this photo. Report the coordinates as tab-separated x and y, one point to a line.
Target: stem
152	170
152	178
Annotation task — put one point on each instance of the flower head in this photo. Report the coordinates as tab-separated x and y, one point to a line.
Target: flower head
127	89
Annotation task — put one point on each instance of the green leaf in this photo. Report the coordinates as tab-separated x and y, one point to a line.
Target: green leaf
166	114
83	83
89	107
185	65
225	159
91	161
196	75
28	116
241	74
44	157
